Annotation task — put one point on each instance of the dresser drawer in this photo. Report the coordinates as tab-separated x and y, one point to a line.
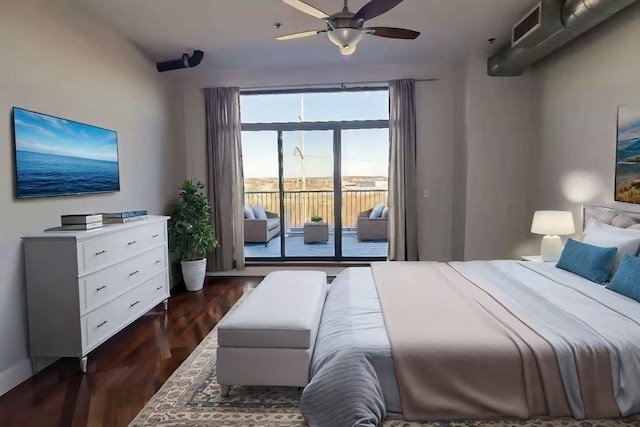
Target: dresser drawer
107	249
102	286
116	314
145	296
103	322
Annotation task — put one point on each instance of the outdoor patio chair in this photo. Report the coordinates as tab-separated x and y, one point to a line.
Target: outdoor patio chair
368	228
260	230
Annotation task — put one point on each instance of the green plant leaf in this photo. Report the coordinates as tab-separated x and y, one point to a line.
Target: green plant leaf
191	233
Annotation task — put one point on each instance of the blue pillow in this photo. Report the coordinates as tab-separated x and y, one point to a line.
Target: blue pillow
591	262
626	281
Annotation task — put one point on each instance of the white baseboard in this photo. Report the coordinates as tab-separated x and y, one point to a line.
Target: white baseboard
15	375
22	371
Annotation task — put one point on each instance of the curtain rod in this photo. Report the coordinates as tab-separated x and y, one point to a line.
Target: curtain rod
324	86
341	85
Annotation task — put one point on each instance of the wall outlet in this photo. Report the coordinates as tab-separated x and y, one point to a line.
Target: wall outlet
426	194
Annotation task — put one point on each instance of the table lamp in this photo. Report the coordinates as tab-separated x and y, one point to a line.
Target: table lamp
552	224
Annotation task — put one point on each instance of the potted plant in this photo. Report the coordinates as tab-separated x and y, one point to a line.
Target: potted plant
191	234
316	218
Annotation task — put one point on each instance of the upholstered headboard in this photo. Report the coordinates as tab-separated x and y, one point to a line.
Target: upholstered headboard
611	216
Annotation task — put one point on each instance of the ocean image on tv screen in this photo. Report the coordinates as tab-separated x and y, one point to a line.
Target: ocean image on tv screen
57	157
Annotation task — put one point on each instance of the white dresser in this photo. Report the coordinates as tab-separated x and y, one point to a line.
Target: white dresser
85	286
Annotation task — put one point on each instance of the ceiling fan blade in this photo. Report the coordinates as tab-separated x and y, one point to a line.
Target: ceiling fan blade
375	8
300	35
393	33
307	8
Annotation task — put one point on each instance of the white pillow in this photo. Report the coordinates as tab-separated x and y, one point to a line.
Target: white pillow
376	211
248	213
385	212
259	212
627	240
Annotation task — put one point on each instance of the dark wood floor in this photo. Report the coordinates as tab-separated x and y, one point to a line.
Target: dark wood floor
126	371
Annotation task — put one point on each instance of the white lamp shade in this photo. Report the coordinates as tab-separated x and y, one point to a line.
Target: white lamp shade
553	223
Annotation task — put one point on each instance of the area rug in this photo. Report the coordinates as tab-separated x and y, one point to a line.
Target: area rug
191	398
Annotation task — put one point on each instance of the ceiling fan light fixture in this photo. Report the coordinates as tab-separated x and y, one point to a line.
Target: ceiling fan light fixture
345	29
343	37
347	50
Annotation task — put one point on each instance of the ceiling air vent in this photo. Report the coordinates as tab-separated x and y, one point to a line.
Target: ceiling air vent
540	23
526	25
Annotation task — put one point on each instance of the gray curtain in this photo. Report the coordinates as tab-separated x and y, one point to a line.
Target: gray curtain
224	176
403	222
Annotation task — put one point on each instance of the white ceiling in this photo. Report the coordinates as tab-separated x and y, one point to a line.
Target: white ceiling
239	34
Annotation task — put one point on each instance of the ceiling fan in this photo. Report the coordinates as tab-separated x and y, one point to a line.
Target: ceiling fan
345	29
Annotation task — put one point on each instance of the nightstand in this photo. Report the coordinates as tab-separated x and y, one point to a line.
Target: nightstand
534	258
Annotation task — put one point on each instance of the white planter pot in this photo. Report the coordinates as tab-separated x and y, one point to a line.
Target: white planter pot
193	273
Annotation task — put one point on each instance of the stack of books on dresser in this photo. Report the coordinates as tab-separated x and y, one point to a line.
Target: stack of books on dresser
81	221
123	217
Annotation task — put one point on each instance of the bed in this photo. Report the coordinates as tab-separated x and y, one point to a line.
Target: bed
475	340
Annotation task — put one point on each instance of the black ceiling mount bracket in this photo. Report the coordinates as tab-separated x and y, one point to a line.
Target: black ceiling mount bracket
185	62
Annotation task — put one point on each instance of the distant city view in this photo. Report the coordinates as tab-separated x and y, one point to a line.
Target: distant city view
317	183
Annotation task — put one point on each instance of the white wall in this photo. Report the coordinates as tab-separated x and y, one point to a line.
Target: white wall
578	90
57	62
435	133
496	146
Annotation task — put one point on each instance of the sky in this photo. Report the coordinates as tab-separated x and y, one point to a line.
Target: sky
628	122
40	133
365	152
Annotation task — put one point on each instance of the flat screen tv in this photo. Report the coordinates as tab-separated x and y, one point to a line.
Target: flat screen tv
57	157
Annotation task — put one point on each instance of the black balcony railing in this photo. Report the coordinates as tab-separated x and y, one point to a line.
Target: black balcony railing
301	205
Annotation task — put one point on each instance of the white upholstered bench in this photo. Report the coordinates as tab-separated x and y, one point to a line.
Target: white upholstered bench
268	340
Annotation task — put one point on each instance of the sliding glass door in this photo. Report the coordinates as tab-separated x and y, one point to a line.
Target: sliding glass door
261	188
315	180
365	178
308	172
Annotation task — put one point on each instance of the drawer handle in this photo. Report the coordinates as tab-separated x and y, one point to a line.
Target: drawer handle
133	242
135	272
104	322
154	236
101	252
159	287
158	261
101	288
134	304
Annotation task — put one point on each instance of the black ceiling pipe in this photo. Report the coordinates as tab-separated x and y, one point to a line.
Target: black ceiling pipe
185	62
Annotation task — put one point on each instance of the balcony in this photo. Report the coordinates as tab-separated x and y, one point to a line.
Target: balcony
300	206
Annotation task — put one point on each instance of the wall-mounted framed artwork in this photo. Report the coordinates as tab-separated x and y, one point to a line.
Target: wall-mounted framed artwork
628	155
